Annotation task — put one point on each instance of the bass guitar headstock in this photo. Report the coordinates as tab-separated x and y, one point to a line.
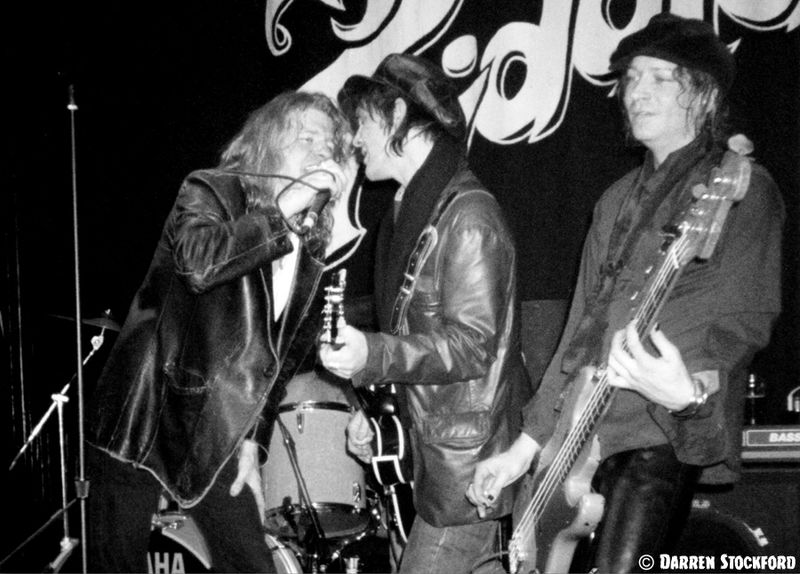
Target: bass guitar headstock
727	185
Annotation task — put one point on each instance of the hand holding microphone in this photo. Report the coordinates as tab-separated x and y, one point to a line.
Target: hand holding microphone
304	200
314	209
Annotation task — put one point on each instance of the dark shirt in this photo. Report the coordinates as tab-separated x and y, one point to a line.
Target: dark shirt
719	314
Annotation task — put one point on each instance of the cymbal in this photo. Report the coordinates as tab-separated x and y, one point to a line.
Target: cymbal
105	322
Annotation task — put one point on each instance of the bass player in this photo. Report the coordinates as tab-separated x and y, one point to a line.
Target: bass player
676	416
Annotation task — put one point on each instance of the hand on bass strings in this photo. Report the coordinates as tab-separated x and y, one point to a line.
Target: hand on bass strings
497	472
663	380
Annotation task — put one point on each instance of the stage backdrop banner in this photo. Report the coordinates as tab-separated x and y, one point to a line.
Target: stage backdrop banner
545	129
160	88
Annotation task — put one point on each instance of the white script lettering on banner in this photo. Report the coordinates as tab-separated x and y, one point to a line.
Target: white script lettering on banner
570	39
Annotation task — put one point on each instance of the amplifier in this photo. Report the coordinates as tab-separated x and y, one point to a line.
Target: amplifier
759	515
771	443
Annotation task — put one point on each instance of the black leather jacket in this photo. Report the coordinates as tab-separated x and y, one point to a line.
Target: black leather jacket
457	355
198	354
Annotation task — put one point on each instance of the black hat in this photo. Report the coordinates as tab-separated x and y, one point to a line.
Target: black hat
687	42
417	79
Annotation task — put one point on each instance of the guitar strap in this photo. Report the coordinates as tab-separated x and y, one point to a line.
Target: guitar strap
639	215
425	245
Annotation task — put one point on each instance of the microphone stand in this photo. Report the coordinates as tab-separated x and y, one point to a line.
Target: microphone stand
317	540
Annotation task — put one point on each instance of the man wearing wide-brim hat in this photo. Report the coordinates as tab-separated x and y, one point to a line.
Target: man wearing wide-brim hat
447	335
677	372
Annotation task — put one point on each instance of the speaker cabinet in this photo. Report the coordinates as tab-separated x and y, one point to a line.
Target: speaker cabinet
760	515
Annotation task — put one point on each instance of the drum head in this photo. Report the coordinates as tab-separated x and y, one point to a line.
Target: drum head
318	386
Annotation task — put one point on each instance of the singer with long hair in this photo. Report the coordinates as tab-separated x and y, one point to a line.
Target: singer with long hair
224	315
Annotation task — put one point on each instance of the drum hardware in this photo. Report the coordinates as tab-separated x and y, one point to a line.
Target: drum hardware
97	342
177	545
314	540
67	543
169	519
105	322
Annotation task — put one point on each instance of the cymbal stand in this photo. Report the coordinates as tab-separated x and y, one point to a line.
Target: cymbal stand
97	342
67	543
81	484
316	542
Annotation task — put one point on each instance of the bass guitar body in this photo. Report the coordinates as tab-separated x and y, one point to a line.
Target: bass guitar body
573	511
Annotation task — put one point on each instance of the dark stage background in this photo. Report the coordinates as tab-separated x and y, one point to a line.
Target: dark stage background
161	86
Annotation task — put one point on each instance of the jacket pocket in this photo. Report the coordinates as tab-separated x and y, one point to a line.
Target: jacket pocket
184	381
457	430
186	397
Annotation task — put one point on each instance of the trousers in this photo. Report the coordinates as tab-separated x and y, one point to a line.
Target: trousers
470	548
121	503
648	496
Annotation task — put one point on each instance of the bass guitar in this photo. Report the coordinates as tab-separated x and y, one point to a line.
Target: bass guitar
562	509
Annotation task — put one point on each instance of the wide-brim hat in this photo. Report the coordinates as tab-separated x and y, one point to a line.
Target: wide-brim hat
418	80
684	41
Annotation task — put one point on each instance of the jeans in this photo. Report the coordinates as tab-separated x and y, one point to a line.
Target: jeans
471	548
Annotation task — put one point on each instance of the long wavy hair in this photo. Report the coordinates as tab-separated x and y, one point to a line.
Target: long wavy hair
256	151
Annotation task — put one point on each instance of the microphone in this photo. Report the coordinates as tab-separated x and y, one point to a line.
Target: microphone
314	209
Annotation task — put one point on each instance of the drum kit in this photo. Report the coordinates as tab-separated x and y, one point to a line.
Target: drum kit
321	513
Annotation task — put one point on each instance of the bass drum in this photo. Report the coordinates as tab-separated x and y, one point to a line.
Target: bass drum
177	545
712	533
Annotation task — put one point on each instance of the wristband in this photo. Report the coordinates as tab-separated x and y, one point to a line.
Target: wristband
699	398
